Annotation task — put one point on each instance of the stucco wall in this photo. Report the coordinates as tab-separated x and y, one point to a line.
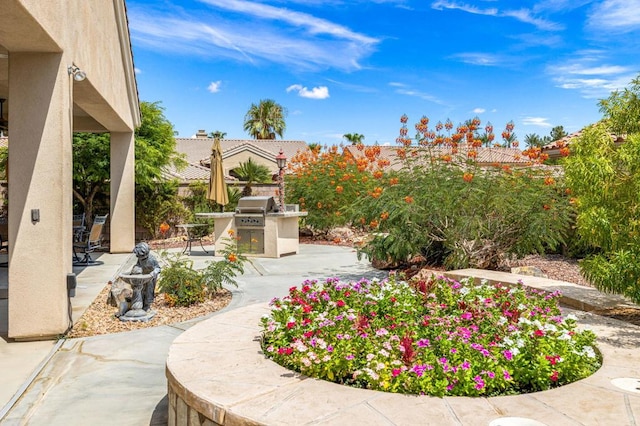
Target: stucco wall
87	31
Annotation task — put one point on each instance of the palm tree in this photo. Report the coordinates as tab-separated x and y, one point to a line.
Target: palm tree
265	120
217	134
354	138
557	133
251	173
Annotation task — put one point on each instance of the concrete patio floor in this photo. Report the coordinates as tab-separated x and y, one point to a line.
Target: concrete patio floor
120	378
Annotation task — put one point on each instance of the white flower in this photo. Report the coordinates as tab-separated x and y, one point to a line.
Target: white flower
571	317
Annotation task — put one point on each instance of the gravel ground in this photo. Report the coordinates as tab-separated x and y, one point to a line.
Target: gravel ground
553	266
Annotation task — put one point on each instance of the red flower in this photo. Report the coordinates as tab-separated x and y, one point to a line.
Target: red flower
538	333
554	376
340	303
290	325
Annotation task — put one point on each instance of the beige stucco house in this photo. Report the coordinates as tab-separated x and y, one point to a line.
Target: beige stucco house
65	66
197	151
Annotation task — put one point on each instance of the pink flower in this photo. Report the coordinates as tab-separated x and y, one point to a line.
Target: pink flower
395	372
507	354
466	316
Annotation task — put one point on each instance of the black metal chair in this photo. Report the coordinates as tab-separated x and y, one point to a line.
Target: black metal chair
4	238
90	243
78	227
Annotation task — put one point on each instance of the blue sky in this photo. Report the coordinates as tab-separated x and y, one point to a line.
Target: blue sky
355	66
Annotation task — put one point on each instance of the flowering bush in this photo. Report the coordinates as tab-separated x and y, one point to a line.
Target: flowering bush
325	182
455	211
436	337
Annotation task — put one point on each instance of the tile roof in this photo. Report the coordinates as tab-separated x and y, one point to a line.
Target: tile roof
198	153
567	140
197	149
485	155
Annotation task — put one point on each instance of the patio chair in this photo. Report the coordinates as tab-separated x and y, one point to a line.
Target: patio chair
90	243
4	238
78	227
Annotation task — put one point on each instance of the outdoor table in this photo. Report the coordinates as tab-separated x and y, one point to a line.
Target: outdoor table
188	229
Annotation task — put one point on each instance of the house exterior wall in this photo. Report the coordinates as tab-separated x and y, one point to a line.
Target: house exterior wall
233	162
43	39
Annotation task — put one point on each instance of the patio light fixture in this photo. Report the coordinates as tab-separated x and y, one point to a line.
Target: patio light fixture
77	73
281	160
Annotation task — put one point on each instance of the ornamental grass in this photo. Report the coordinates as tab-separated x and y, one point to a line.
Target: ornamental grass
431	337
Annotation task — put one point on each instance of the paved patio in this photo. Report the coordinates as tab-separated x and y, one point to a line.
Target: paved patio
120	378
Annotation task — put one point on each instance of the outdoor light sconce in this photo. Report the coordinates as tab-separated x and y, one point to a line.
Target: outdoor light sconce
77	73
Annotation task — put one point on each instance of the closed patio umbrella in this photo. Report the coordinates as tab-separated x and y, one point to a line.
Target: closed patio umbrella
217	186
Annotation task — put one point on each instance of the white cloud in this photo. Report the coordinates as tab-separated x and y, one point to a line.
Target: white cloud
137	70
214	87
482	59
523	15
617	15
479	110
251	32
536	121
320	92
590	75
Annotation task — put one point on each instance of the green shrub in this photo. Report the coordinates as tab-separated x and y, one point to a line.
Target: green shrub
159	203
444	206
185	286
182	285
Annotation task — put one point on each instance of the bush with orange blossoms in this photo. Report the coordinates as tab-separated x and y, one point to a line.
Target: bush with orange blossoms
329	181
455	213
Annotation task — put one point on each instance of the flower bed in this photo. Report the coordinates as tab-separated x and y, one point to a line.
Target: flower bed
436	337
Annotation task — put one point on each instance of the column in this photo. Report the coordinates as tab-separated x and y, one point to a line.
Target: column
40	195
122	223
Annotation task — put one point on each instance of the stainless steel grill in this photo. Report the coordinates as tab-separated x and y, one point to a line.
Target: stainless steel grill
250	221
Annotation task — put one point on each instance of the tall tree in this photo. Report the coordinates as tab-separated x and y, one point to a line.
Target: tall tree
607	218
557	133
354	138
535	140
217	134
155	150
265	120
251	172
622	109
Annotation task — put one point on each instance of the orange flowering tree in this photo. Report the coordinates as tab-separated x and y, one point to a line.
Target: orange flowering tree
325	182
447	206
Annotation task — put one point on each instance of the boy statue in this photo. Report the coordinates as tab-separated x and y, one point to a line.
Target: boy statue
147	264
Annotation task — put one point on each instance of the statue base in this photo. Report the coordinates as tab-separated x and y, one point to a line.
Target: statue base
138	315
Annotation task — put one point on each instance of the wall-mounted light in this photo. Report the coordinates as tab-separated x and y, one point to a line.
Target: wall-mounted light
77	73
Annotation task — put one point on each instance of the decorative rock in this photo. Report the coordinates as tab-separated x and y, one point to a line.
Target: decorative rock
532	271
120	296
342	233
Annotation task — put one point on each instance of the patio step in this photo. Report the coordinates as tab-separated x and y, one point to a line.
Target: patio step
573	295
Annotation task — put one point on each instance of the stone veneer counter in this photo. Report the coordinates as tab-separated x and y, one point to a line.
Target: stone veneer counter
218	375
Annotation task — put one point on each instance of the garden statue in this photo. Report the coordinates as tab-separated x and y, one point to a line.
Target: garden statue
134	304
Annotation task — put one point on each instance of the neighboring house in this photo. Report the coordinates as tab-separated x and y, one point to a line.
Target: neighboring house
234	152
485	156
554	148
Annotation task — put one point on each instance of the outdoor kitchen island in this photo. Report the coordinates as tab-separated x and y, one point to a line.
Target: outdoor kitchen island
263	230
